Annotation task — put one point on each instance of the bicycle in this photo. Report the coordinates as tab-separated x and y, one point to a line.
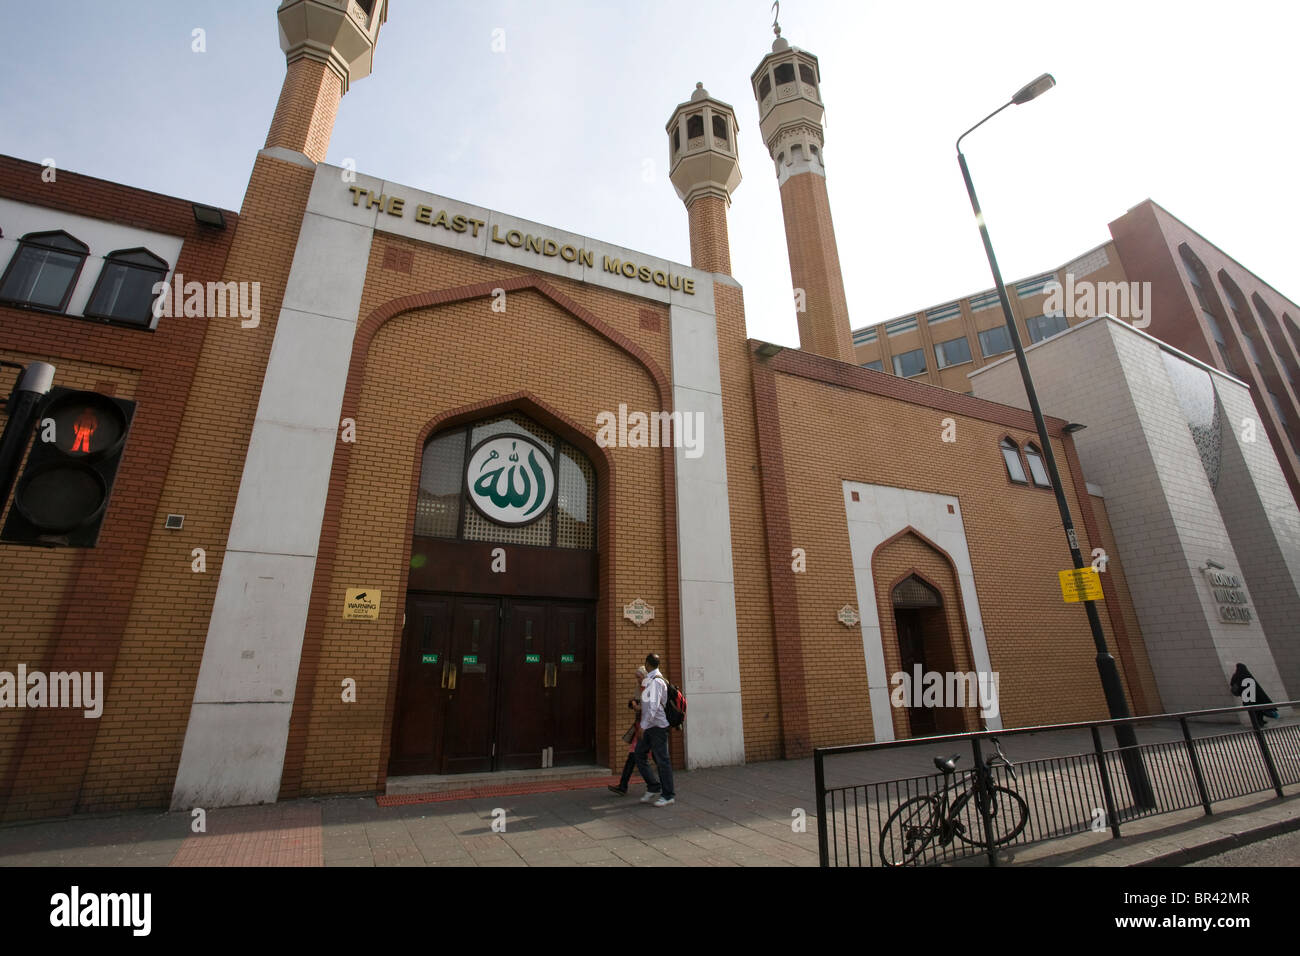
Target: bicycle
919	821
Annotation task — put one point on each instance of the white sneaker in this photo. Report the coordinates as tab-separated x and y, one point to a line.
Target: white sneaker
661	802
650	795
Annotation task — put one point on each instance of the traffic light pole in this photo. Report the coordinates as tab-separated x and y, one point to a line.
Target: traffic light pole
33	384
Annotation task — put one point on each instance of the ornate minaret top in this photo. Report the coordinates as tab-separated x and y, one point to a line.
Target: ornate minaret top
786	86
339	33
704	169
702	148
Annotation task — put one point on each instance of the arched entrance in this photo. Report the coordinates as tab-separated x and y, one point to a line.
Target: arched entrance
498	659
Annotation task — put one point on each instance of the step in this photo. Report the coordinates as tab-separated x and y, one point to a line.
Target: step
442	783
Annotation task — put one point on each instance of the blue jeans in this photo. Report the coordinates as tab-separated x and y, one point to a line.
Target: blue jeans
655	740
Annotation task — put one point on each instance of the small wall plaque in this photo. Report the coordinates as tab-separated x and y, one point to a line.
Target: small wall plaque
638	612
847	616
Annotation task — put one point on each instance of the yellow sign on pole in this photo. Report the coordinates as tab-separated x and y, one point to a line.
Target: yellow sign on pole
1080	584
361	604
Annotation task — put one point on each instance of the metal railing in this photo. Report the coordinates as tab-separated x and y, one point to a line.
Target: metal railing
1066	793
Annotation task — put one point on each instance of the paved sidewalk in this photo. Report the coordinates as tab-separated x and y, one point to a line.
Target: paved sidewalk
728	816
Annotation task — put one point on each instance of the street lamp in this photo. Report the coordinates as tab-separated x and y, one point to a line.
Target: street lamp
1110	682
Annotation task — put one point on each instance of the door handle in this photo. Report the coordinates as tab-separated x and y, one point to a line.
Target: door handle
548	676
451	683
445	665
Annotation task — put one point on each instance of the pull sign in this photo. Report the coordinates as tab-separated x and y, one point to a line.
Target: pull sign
532	658
428	658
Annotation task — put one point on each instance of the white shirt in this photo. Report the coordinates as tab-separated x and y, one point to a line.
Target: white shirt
654	695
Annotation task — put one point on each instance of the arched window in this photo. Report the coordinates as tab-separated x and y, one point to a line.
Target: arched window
784	74
764	87
1036	467
694	126
44	270
1015	468
124	290
719	130
677	140
446	505
806	75
912	592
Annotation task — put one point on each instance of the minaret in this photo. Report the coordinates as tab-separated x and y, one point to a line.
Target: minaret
705	171
786	86
327	44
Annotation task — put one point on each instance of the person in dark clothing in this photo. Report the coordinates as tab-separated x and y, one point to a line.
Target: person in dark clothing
1244	685
631	738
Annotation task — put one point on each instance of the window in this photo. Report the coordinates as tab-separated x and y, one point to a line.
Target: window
1045	326
1036	467
995	341
719	130
694	126
124	290
44	270
874	364
677	140
1034	286
952	352
806	75
943	314
1250	349
1011	455
1192	264
863	336
899	326
909	363
1214	327
442	509
764	87
784	74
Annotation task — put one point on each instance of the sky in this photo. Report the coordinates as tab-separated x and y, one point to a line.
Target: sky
1189	103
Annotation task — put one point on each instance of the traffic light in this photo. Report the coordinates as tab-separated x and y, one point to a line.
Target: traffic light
62	496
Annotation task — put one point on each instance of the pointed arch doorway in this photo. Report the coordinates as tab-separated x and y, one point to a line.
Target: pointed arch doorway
925	647
498	660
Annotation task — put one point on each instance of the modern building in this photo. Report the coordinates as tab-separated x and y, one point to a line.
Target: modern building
462	470
1201	510
1155	272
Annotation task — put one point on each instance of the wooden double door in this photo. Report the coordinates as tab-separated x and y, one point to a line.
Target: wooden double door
493	683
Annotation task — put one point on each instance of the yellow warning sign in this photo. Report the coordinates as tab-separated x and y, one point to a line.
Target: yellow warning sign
1080	584
361	604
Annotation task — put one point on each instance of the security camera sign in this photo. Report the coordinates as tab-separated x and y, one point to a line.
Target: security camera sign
361	604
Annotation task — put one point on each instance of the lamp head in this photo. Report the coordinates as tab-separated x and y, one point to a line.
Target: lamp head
1031	90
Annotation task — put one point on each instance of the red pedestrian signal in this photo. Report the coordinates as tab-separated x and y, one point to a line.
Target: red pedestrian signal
62	497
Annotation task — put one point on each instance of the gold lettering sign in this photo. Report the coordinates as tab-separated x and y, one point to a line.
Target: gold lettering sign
538	245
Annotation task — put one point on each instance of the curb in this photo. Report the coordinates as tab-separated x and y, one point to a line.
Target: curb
1223	844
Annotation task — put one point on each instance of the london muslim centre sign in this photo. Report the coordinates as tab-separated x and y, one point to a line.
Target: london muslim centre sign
541	245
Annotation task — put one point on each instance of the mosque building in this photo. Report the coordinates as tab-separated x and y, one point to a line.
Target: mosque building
423	502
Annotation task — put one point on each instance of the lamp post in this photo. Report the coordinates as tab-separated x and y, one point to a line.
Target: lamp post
1110	682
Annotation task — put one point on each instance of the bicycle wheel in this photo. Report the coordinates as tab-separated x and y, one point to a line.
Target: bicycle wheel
1009	814
909	830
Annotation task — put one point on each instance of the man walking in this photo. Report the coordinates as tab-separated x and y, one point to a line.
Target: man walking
654	736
